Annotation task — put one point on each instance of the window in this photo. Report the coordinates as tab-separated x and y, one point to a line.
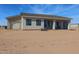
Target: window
65	25
28	21
38	22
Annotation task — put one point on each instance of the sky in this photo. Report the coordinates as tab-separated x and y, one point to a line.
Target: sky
67	10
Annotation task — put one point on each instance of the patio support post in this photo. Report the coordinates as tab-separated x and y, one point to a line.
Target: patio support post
61	25
54	24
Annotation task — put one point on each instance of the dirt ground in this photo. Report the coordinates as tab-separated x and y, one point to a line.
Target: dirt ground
52	41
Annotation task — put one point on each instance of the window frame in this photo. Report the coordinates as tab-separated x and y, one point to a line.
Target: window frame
38	22
28	23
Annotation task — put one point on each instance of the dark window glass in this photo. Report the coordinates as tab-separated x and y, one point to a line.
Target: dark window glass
28	21
38	22
65	25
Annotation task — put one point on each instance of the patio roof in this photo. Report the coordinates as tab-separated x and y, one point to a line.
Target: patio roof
45	16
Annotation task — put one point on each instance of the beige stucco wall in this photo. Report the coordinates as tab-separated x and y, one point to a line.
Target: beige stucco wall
14	24
8	24
33	25
73	26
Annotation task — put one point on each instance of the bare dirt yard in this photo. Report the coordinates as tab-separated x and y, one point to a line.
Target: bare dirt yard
52	41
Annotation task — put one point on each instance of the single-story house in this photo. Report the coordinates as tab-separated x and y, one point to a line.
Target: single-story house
37	21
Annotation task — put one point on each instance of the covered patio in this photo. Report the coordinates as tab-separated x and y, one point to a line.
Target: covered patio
56	24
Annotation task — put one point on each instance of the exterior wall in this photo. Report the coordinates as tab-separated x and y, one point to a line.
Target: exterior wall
14	24
74	26
8	24
33	25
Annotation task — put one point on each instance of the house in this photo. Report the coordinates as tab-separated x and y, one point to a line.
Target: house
37	21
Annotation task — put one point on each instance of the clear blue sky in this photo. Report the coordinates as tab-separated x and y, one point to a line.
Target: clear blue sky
68	10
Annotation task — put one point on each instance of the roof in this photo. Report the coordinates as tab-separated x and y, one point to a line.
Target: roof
45	16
